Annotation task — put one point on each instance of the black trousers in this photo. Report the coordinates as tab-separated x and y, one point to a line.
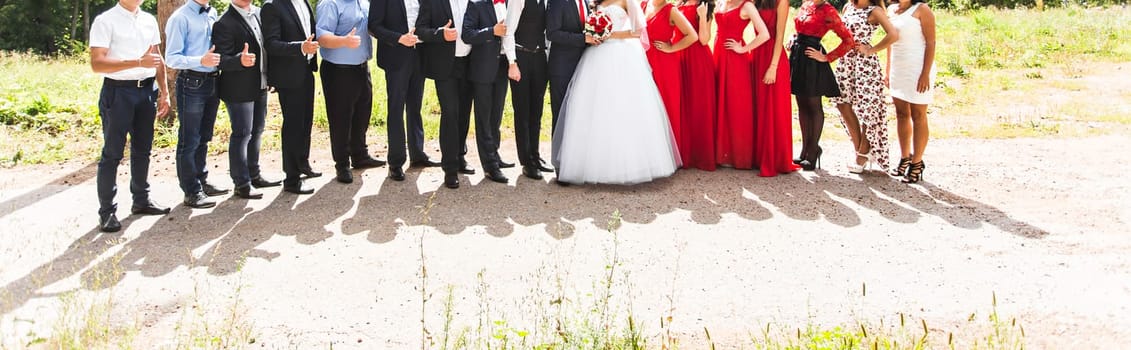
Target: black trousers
558	86
455	96
349	105
298	117
528	96
405	90
490	99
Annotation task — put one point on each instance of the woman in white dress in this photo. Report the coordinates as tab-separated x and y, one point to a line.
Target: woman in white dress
910	63
613	127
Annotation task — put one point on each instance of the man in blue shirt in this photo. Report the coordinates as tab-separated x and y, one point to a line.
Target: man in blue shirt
346	48
189	50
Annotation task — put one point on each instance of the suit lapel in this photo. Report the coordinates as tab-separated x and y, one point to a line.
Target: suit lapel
294	15
235	17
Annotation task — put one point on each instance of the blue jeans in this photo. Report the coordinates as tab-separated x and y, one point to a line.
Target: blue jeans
196	110
125	111
243	149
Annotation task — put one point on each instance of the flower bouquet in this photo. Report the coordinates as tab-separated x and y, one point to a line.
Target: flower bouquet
598	24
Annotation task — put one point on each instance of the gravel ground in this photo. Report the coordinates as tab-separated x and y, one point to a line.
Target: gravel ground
1038	222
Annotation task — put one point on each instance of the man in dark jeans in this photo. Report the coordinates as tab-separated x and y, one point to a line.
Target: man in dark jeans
124	48
189	50
243	88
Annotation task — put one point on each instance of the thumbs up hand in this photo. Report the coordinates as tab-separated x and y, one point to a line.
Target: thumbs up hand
409	39
247	59
500	29
309	46
449	32
353	41
210	58
150	59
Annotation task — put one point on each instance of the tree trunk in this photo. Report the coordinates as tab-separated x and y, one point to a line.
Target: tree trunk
165	9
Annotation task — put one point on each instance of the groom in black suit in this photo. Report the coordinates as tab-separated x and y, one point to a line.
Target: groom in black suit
288	34
484	31
565	30
444	60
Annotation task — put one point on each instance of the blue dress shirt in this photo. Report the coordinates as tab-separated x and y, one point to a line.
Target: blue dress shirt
188	35
339	17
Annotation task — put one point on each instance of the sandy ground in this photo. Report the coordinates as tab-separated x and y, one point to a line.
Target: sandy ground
1041	223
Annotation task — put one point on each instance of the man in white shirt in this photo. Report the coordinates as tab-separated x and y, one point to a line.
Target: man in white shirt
124	48
444	60
288	34
525	48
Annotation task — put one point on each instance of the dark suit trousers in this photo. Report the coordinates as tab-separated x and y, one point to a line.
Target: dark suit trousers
125	111
349	104
455	95
489	102
405	89
558	86
298	117
528	96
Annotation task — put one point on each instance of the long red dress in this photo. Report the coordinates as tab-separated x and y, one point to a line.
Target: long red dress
735	142
772	109
698	69
666	72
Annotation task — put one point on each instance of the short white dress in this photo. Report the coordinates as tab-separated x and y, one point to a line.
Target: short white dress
907	57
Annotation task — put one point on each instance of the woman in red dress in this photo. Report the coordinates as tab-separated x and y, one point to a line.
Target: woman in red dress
811	77
772	110
664	59
698	89
735	142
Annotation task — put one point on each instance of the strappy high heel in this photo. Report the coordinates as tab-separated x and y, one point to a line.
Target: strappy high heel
813	164
859	168
914	173
901	169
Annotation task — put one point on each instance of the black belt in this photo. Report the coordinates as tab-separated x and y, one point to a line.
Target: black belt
523	49
335	65
137	84
195	74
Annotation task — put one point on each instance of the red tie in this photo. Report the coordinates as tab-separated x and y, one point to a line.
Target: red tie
581	10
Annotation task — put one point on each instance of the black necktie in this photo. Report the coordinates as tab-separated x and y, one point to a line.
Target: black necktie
205	9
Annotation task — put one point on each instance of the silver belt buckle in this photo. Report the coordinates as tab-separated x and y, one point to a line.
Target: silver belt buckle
139	83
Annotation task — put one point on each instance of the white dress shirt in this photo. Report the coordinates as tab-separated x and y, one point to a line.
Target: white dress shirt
128	36
411	11
459	7
514	15
304	19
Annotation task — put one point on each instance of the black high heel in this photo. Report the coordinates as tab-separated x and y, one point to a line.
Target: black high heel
901	169
914	173
813	164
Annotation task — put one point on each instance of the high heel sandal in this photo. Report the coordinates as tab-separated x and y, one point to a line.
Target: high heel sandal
813	164
914	173
901	169
859	168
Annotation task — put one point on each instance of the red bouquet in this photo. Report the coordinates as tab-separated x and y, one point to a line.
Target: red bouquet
598	24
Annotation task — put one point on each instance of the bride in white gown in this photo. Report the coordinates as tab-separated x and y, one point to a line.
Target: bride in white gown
613	127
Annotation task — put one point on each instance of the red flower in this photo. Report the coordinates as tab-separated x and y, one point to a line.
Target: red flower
598	24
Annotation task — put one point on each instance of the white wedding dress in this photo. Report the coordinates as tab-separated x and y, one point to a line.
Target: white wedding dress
613	128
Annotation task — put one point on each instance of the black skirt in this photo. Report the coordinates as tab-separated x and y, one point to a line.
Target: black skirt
809	77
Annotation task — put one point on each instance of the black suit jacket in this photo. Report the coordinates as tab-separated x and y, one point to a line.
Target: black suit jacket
478	31
567	38
237	83
437	56
283	36
388	20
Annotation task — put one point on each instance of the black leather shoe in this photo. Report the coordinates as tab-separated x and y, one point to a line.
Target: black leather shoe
368	162
298	188
149	208
260	182
505	165
247	192
496	176
532	172
344	176
467	170
396	174
542	166
309	173
451	180
199	200
109	223
427	163
213	190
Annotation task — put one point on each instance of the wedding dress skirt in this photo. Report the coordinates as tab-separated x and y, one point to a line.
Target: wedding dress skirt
613	128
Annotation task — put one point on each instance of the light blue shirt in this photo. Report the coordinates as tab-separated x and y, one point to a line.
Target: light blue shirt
339	17
188	35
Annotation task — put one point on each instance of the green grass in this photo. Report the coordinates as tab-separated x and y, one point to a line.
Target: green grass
988	60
